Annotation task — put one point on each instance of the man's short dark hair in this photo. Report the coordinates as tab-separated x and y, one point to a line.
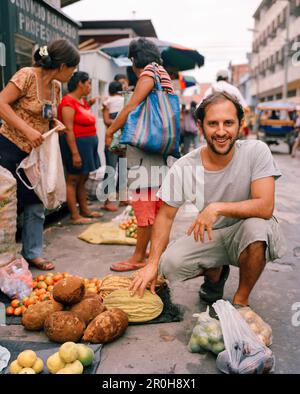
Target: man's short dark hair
120	76
144	52
114	87
217	97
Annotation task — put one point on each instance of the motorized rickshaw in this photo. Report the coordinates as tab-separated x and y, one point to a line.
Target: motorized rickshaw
275	123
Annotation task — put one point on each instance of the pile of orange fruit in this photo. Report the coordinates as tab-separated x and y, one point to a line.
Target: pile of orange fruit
42	287
130	226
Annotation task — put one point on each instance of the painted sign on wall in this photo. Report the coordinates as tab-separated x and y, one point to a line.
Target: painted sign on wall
42	23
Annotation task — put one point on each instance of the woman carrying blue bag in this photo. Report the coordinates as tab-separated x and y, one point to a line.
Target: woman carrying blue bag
151	131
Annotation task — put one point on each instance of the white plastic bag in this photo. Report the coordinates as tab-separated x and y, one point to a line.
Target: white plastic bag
126	214
44	170
262	329
207	334
16	279
4	357
8	216
245	353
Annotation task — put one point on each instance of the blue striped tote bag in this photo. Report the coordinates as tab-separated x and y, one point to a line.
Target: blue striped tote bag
154	125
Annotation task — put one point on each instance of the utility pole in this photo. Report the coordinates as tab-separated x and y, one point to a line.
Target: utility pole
258	64
286	53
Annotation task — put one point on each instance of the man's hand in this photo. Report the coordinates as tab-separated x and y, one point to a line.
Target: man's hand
76	160
145	275
204	221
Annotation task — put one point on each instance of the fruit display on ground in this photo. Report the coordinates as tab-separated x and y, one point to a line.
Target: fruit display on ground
42	291
74	314
130	227
71	358
28	363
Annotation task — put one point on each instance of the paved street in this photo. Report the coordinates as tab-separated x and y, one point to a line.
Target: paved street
162	348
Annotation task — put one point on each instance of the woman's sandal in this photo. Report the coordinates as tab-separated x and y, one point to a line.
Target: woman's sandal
93	215
44	265
81	221
123	266
110	207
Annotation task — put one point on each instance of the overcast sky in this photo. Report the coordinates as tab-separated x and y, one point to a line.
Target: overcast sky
216	28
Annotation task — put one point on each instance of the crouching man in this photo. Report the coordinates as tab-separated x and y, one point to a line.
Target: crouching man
235	224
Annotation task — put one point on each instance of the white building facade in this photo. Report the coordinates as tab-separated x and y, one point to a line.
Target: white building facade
275	57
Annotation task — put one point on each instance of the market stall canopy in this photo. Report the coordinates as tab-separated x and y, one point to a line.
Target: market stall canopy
174	56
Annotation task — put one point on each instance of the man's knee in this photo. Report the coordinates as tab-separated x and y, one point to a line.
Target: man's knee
255	249
170	263
255	226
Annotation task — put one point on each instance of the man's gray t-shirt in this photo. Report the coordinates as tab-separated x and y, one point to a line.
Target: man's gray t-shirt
252	160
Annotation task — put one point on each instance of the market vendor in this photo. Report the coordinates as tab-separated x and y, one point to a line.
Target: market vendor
235	224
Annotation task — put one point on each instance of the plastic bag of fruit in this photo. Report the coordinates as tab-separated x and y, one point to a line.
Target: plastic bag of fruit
128	213
16	279
207	334
262	329
245	353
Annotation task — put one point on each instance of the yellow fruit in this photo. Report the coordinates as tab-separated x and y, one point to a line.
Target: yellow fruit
27	371
55	363
38	365
68	352
85	354
64	371
138	309
27	358
76	368
15	368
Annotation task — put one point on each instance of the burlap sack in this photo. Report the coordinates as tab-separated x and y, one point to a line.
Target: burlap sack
8	217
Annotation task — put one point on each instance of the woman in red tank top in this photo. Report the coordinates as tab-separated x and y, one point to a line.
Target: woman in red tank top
79	147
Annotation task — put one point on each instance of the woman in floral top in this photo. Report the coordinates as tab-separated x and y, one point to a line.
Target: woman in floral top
28	107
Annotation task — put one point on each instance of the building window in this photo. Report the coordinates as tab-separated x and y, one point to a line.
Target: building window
292	93
278	96
24	50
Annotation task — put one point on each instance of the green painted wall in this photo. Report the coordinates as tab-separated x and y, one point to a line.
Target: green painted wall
34	20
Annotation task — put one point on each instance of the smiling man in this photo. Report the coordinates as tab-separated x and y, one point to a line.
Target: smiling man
235	224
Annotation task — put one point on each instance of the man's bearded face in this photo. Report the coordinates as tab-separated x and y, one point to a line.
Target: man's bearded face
221	127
